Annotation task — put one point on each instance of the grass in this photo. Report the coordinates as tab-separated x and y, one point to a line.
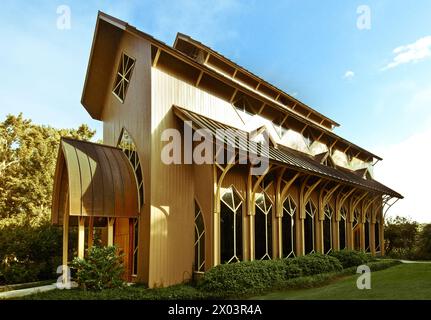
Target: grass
135	292
401	282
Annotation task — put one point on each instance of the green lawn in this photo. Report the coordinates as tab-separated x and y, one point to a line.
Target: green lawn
405	281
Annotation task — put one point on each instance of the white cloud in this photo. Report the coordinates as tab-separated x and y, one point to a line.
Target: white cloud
413	52
406	169
349	74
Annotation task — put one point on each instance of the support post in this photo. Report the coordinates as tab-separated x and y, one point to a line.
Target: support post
111	222
81	237
372	238
65	246
362	236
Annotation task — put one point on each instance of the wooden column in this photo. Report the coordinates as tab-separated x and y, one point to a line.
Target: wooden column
250	213
65	246
372	238
335	233
90	232
362	236
81	237
111	222
382	237
318	234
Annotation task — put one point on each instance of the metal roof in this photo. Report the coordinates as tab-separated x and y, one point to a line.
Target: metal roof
93	180
287	156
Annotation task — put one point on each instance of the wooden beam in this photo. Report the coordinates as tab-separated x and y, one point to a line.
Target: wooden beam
284	119
233	96
111	222
328	196
207	58
65	246
234	73
311	189
199	78
303	129
81	237
320	136
261	108
333	144
156	58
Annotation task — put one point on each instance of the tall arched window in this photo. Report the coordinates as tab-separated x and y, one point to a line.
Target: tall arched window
230	226
199	240
342	227
289	227
310	212
327	229
377	233
129	148
263	227
367	233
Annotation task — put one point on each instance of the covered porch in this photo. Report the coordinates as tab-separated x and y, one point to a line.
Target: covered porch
95	191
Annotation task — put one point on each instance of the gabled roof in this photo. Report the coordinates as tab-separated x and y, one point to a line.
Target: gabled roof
186	44
107	36
286	156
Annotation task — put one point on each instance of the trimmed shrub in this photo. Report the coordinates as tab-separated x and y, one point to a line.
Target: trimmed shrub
101	269
243	277
314	264
350	258
253	277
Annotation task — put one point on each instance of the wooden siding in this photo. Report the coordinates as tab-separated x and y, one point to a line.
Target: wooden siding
134	114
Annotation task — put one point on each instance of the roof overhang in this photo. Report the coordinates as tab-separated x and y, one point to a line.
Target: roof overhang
287	157
107	36
93	180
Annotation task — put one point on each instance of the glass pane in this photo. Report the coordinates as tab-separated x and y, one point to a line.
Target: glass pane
367	236
309	234
342	226
327	235
228	200
238	217
226	233
260	234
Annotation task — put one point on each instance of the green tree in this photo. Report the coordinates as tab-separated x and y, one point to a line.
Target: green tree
424	243
400	237
28	155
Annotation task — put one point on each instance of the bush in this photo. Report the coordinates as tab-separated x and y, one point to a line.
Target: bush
424	243
101	269
30	252
253	277
314	264
350	258
243	277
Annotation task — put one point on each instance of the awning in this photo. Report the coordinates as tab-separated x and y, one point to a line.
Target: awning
93	180
287	156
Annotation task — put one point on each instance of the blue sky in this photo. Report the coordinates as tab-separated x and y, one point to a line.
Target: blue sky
311	49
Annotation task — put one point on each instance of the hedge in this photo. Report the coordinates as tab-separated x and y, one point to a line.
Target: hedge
252	277
350	258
